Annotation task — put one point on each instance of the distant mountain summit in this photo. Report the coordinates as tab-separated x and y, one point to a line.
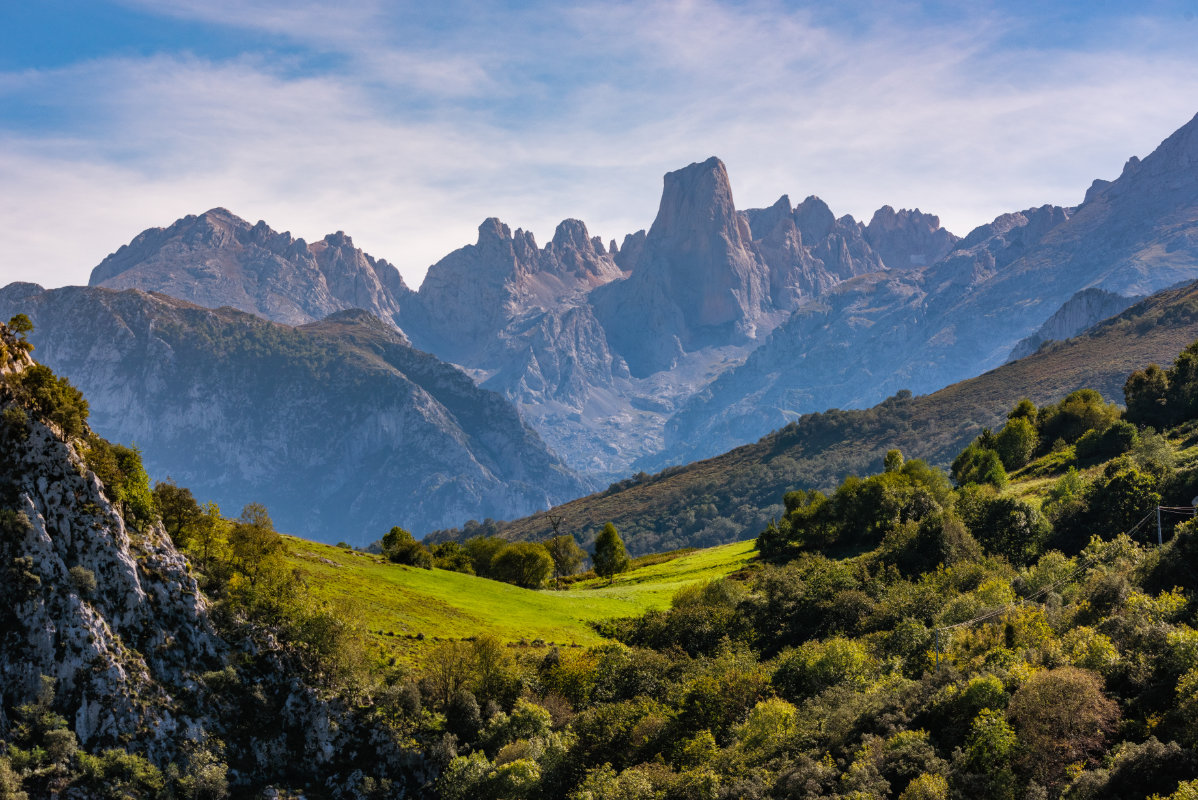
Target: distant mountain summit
218	259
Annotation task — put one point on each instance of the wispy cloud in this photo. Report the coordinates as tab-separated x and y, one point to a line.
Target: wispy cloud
406	127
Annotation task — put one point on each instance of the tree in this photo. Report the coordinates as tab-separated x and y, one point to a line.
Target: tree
401	547
257	548
525	564
179	511
566	554
1016	442
893	461
1062	716
21	325
610	557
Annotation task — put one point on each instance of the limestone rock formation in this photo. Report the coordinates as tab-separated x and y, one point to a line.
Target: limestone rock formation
218	259
1085	309
698	282
905	238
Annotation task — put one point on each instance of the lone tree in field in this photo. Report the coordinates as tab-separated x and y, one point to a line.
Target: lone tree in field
610	557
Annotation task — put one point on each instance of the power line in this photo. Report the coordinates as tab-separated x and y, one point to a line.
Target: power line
1084	565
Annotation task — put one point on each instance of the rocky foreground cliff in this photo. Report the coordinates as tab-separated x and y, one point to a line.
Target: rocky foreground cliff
109	650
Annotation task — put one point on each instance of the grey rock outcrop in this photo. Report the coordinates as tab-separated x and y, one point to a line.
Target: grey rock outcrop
906	238
1085	309
218	259
123	656
698	282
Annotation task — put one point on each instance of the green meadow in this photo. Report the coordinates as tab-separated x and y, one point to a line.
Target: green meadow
406	608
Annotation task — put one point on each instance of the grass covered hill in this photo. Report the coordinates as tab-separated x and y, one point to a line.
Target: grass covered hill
407	609
735	495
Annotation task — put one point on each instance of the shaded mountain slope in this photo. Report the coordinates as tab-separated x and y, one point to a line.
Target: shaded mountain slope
734	495
339	427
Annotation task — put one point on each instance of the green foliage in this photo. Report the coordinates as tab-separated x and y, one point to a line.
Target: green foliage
815	666
181	514
524	564
453	557
52	398
400	547
1016	442
609	556
21	325
1005	526
979	465
859	515
84	581
1080	411
566	554
125	480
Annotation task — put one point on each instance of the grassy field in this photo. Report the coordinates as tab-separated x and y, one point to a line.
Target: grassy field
399	604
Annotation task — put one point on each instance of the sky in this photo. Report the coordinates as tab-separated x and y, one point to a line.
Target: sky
406	125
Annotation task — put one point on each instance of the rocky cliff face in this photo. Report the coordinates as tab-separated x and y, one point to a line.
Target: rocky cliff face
1084	310
698	282
108	617
123	656
339	427
218	259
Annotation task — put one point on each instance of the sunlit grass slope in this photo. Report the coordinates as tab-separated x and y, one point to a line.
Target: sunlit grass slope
397	603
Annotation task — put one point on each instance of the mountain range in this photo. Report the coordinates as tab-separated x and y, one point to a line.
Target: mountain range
708	330
340	427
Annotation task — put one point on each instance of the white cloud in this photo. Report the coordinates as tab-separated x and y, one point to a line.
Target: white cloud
410	140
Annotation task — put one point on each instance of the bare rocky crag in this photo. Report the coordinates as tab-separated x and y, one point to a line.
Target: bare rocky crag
130	655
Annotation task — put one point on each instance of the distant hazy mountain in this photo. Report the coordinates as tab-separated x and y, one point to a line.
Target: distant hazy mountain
716	325
218	259
340	427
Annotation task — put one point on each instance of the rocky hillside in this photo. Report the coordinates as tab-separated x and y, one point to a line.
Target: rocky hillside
340	427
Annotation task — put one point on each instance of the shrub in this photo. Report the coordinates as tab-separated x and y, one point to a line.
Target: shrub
84	581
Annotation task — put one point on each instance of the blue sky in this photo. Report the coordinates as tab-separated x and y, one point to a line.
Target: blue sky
406	126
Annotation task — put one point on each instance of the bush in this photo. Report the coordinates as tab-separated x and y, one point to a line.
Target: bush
525	564
84	581
401	548
53	398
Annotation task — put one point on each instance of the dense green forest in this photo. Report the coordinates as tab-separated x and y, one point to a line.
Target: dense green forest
1012	629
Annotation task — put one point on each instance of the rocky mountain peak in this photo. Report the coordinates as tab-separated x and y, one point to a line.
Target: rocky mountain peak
908	238
218	259
699	280
814	219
